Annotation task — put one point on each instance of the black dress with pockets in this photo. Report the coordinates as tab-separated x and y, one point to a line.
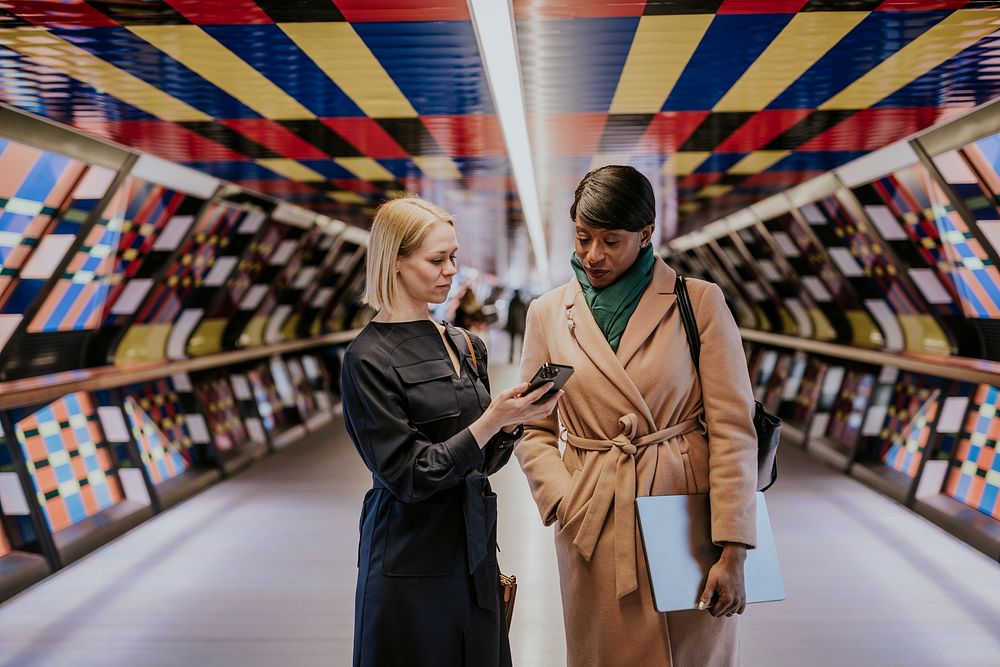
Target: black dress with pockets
428	590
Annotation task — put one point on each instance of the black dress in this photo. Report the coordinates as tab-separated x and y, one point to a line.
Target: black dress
428	589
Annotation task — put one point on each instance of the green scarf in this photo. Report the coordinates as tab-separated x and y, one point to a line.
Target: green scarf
612	306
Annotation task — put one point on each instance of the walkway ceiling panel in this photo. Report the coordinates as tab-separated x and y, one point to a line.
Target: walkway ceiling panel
337	105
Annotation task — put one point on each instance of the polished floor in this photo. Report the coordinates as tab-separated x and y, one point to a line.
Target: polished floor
259	570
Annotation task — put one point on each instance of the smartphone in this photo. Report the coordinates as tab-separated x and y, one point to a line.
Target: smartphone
556	373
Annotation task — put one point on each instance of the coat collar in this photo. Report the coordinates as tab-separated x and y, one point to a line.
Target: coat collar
653	306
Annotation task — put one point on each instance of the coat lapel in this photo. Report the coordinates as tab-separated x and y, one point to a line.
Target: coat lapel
591	340
653	307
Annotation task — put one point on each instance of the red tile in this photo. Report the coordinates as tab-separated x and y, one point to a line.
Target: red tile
367	136
573	134
761	129
277	137
870	129
66	14
358	11
467	136
668	131
761	6
561	9
220	12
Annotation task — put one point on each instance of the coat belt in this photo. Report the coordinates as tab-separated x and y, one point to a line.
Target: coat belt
617	483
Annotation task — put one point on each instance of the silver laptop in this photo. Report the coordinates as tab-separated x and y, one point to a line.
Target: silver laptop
677	535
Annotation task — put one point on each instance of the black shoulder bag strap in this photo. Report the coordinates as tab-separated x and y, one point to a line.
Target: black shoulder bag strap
767	427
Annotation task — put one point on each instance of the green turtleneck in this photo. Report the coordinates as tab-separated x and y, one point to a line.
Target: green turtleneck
612	306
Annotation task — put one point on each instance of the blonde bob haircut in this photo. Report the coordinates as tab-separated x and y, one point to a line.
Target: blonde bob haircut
400	226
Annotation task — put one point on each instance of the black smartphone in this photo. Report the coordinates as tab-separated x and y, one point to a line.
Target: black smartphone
556	373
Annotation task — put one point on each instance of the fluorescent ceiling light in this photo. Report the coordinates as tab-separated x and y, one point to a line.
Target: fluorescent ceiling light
494	23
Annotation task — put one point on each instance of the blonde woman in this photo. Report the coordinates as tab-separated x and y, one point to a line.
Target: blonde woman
419	412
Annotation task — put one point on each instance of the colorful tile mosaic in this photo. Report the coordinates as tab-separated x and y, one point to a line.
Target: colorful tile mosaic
68	461
974	478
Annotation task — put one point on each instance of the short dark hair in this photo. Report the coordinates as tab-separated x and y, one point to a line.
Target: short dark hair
614	197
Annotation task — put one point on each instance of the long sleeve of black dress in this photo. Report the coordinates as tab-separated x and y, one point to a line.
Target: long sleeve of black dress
406	461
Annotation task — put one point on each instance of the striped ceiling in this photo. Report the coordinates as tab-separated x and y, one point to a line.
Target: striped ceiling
336	104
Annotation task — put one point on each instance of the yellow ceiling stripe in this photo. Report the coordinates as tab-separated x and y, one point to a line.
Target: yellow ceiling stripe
346	197
714	191
338	50
51	51
758	161
291	169
438	167
958	31
203	54
660	51
805	39
683	163
365	168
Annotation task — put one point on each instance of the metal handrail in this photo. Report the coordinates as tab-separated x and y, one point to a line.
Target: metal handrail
963	369
44	388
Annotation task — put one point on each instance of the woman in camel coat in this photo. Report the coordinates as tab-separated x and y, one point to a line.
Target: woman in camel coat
631	425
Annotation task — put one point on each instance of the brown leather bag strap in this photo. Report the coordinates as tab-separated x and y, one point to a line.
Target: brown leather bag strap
472	350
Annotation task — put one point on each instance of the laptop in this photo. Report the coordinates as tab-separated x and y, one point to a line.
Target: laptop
676	534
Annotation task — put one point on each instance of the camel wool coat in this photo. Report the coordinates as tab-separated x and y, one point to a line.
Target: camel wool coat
630	424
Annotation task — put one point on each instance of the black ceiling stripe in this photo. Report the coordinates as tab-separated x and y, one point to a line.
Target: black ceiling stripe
301	11
715	129
623	131
661	7
320	136
229	138
146	12
811	126
732	179
411	134
9	19
841	5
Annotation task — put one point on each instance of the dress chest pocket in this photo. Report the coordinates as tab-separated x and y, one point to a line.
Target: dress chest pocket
430	390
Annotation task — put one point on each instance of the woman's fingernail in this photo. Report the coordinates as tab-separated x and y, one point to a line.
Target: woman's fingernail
701	606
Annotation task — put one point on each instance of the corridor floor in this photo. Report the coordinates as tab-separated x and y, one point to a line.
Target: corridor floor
259	570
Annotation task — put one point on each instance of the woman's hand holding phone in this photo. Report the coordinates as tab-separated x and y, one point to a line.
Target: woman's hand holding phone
511	407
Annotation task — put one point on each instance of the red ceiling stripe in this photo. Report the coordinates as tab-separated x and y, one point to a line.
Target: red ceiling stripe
71	13
561	9
699	180
467	136
761	129
220	12
355	185
161	138
276	186
276	137
360	11
761	6
779	178
573	133
921	5
668	131
367	136
870	129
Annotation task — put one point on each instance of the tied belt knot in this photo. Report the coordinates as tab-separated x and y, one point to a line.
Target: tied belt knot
616	484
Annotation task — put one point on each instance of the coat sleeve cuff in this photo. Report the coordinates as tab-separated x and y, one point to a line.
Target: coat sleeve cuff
465	452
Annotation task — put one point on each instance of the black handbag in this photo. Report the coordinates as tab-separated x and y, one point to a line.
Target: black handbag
768	426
